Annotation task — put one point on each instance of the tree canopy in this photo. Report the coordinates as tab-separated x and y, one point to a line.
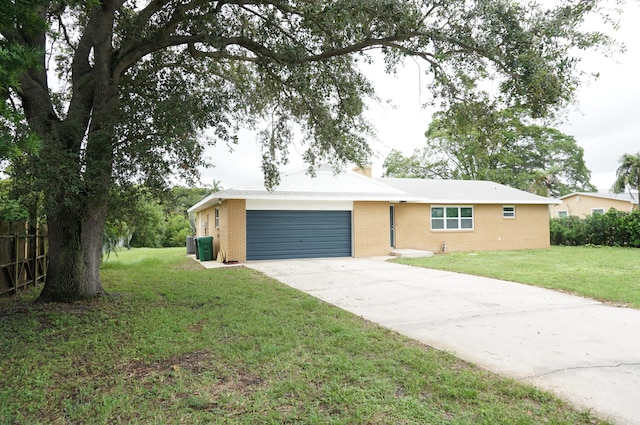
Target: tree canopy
15	59
121	90
477	141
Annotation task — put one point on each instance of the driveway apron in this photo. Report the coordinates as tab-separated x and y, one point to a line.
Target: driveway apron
584	351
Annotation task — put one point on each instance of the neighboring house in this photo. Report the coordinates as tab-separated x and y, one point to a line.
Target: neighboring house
584	204
352	214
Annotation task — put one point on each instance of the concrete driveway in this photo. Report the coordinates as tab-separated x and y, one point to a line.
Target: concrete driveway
583	350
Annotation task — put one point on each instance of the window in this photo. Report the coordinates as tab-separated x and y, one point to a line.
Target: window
508	212
217	218
451	218
562	213
597	211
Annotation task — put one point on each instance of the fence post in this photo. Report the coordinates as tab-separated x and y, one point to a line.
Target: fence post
36	256
32	258
16	267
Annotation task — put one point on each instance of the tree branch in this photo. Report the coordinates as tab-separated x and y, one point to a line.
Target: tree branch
152	8
133	50
136	52
218	54
356	47
81	75
65	34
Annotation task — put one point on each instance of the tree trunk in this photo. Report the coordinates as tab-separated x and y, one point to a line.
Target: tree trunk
75	248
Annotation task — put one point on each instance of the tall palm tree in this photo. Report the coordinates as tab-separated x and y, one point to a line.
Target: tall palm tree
544	181
628	174
216	186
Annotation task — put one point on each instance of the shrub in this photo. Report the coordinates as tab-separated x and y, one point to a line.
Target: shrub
568	231
631	224
614	228
606	229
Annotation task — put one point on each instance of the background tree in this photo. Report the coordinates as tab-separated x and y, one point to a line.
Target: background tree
11	209
179	198
137	82
628	175
116	235
480	141
418	165
216	186
176	203
18	203
149	225
142	217
545	181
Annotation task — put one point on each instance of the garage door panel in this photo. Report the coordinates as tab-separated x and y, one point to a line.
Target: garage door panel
320	233
298	234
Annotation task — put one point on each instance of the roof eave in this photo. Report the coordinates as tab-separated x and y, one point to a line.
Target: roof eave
206	202
494	202
364	198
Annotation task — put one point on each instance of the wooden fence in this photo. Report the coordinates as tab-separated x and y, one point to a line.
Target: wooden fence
23	261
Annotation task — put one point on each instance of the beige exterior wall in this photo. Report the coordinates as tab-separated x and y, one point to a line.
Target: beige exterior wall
412	227
371	232
371	229
230	235
233	225
583	205
528	230
203	227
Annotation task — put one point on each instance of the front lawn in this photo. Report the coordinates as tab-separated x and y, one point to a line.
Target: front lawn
179	344
603	273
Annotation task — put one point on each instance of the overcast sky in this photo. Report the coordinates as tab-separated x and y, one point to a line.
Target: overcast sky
605	122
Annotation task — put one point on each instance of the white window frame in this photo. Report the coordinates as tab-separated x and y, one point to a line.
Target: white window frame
447	219
560	212
597	210
217	217
509	211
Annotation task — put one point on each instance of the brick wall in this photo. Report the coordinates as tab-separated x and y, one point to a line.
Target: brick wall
528	230
203	226
233	219
231	233
412	227
371	229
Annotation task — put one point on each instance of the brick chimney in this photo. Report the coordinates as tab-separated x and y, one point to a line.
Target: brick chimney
366	171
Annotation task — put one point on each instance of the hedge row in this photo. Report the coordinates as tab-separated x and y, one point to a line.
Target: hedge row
614	228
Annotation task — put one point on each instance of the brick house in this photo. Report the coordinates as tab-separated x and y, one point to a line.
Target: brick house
352	214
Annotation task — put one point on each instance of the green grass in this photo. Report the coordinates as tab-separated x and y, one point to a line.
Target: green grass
179	344
603	273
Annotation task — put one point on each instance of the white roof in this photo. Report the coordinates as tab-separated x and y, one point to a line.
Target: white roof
466	191
351	186
326	180
624	196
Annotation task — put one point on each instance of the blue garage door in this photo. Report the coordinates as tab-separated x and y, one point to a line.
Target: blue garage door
298	234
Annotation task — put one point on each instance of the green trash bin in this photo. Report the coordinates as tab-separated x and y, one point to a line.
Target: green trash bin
205	248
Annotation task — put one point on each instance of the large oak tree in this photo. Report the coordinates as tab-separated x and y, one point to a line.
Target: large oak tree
122	90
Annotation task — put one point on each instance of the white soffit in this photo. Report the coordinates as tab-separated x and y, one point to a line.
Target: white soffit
283	205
